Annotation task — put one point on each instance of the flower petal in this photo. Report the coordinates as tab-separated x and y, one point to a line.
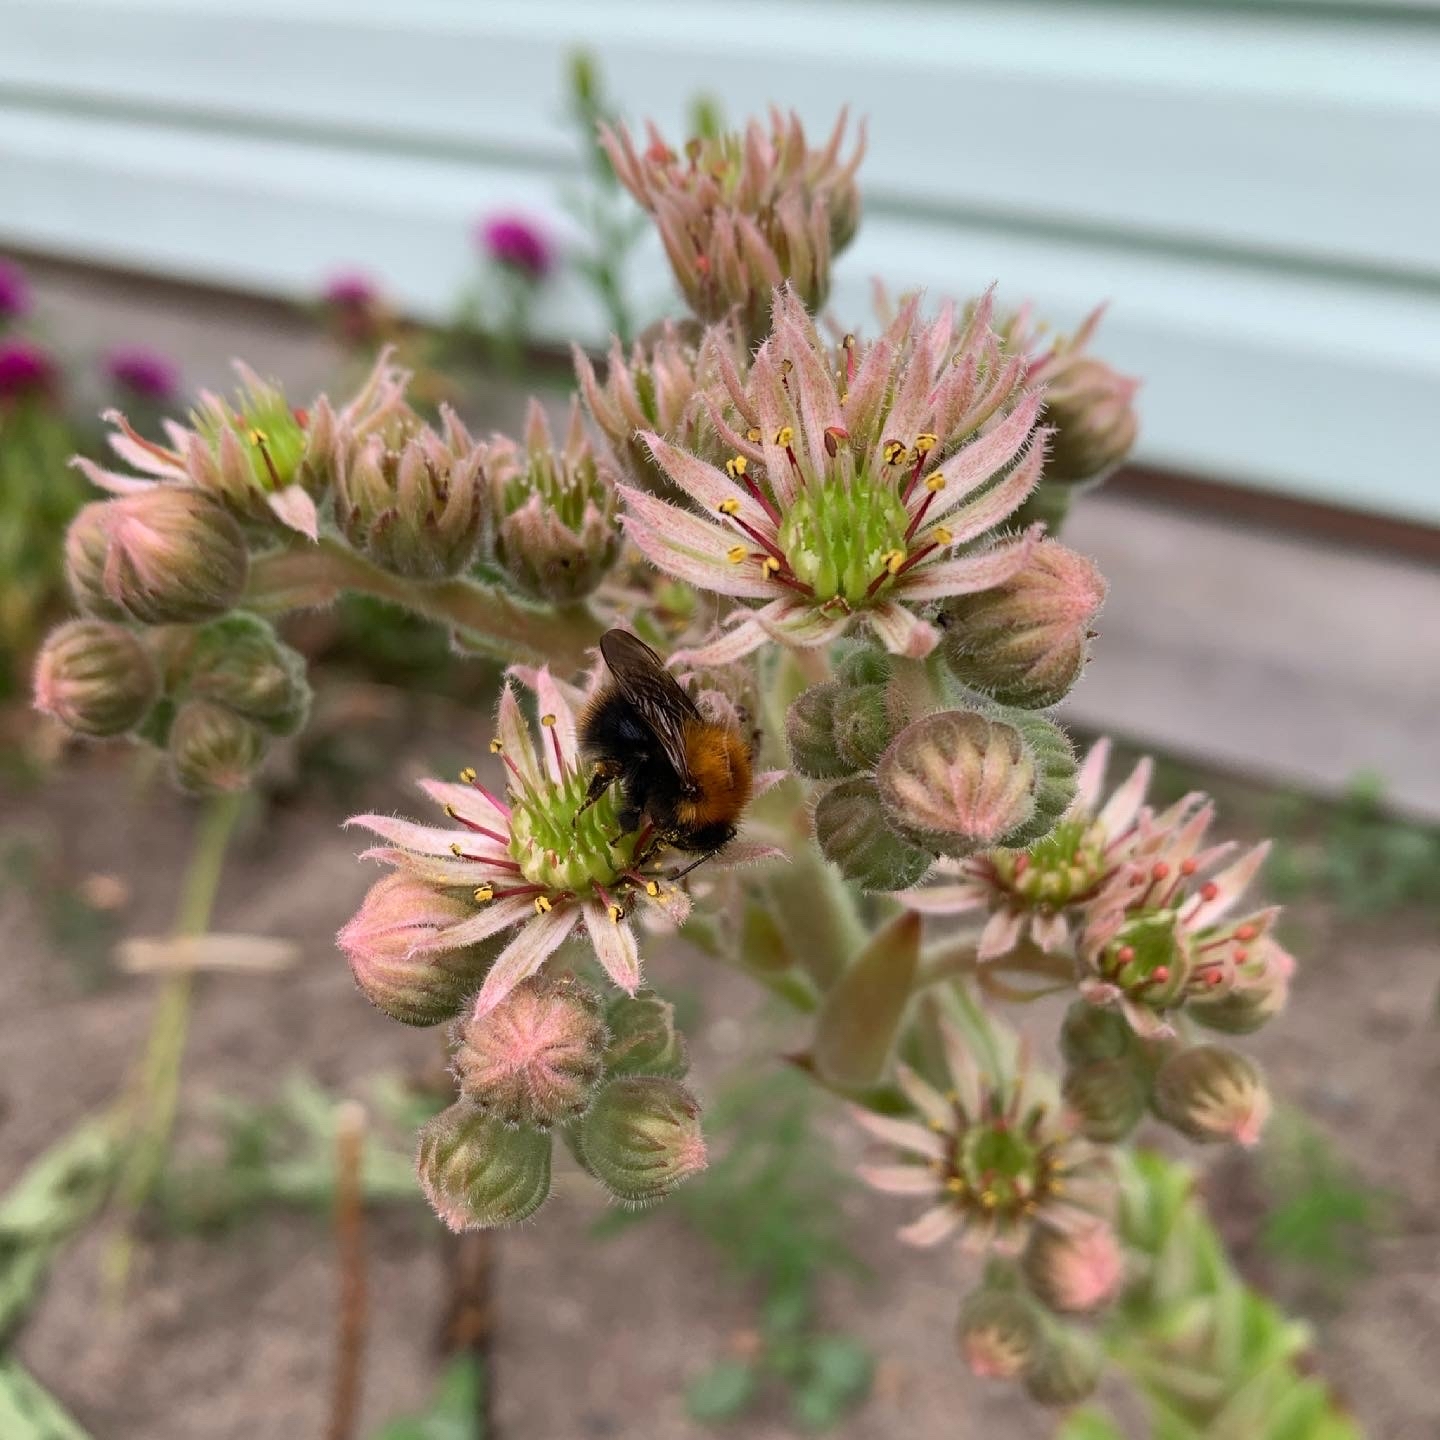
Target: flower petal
899	1179
942	899
708	487
692	549
553	704
975	463
294	508
748	851
423	839
1124	805
495	917
924	1097
803	626
1090	778
1050	931
935	1225
903	1134
525	954
1230	885
468	804
900	632
514	736
968	573
615	946
744	639
1001	932
111	480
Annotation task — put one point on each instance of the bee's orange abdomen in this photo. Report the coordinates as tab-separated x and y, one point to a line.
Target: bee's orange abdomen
718	761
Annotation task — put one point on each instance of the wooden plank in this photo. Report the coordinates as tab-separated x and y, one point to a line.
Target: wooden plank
1313	387
1290	135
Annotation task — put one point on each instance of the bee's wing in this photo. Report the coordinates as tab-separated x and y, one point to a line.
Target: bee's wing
652	690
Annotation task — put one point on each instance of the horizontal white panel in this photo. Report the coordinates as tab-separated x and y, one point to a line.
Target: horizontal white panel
1314	387
1291	134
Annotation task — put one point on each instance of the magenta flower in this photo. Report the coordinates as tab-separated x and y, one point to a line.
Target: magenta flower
25	369
14	291
145	374
351	290
517	243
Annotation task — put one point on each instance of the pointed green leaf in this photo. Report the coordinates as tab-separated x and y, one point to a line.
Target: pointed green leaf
862	1013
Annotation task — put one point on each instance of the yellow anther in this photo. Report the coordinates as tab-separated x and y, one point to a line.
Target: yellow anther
942	535
988	1199
730	506
495	746
939	1126
467	775
736	554
893	560
848	343
894	452
770	565
735	466
925	443
449	812
484	894
753	435
935	483
547	720
542	904
258	437
786	366
784	435
955	1185
615	913
844	396
652	889
456	849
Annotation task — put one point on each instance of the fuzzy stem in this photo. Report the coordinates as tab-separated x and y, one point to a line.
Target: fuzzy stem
157	1090
486	619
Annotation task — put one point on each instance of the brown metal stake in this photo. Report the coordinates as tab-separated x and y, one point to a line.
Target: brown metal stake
351	1306
469	1325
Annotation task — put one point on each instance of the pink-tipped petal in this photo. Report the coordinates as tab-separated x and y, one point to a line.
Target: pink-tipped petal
935	1225
525	954
902	1134
900	632
615	946
899	1179
968	573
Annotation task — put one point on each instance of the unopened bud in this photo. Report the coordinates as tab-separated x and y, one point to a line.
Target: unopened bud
164	556
1211	1093
478	1173
956	782
999	1333
1255	993
642	1137
1056	773
238	661
95	678
643	1037
862	725
536	1058
852	831
1025	641
556	531
1066	1368
1092	409
1091	1033
413	500
212	749
865	665
398	955
1074	1270
810	733
1107	1098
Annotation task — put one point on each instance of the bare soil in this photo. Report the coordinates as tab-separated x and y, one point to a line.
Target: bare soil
230	1338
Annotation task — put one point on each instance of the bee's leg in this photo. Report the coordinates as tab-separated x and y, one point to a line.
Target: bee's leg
693	865
602	777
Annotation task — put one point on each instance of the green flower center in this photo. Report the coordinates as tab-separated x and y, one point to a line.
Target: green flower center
564	489
1001	1167
838	538
272	438
1064	866
1146	959
558	847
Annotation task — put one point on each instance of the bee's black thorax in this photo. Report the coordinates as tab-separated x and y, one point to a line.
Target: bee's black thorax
613	734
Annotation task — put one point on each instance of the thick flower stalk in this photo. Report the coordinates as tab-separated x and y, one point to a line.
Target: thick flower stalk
740	215
866	483
994	1156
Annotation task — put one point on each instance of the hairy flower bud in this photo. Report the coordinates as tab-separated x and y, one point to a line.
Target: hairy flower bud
1257	990
399	956
642	1137
1107	1098
852	831
95	678
1026	640
238	661
1089	1033
414	500
1067	1367
536	1058
999	1333
862	725
1212	1093
164	556
1075	1270
957	782
212	749
556	533
1056	777
810	733
478	1173
643	1037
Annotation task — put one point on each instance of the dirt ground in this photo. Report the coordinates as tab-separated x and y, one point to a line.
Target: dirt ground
229	1338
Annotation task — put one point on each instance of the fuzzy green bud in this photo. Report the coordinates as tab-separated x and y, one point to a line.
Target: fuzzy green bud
164	556
399	956
957	782
643	1037
999	1333
212	749
810	733
478	1173
239	662
1092	410
1107	1097
1056	769
1066	1368
864	665
1211	1093
862	725
642	1137
95	678
414	500
557	535
1025	641
854	834
1090	1032
536	1057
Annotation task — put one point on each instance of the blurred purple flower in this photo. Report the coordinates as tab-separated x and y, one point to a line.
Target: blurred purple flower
145	374
351	290
14	291
25	369
519	243
355	308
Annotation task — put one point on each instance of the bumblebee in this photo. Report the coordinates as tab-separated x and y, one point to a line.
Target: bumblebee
687	776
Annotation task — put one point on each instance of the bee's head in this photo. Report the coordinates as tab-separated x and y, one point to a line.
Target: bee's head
706	838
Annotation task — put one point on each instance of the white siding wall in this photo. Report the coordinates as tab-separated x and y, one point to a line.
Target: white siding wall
1256	188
